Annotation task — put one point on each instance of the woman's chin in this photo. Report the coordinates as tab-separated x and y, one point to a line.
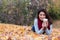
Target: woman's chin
41	19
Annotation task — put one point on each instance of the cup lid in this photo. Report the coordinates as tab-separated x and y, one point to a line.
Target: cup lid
45	19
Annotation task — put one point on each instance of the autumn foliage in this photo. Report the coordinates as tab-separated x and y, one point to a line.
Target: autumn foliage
16	32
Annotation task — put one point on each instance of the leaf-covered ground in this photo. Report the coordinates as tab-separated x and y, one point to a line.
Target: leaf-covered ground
15	32
56	24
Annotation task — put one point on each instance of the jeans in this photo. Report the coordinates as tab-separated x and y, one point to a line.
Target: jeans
33	29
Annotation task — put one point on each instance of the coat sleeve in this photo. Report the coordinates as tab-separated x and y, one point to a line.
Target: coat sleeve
36	27
49	31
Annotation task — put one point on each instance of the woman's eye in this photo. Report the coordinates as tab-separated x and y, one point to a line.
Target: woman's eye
43	14
40	14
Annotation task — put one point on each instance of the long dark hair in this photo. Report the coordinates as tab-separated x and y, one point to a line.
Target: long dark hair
46	13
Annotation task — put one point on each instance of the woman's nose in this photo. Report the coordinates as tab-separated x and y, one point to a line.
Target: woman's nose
42	16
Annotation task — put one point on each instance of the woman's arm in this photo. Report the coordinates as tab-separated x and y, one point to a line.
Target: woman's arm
49	31
36	27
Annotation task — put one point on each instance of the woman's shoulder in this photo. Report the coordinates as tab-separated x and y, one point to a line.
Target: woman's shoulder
35	19
51	25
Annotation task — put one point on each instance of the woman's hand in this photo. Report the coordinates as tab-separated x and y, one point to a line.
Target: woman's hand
45	25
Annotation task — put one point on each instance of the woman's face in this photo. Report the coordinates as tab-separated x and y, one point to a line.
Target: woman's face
42	16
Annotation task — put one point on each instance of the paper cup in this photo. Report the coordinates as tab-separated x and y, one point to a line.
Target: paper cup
44	20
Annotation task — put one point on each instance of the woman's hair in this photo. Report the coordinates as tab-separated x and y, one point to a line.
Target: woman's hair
47	15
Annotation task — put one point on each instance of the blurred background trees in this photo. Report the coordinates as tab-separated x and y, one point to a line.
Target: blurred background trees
23	12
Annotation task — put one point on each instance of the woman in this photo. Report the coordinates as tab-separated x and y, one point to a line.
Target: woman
39	26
